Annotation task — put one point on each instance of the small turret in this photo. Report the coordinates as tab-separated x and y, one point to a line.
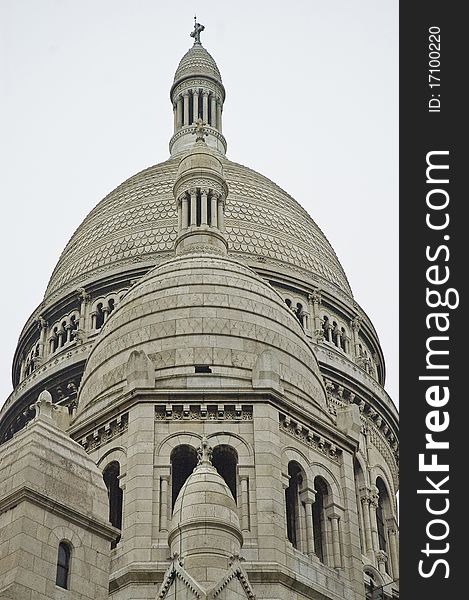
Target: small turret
200	191
197	93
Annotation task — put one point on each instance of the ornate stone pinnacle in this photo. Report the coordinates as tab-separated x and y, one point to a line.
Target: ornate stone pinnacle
204	453
198	28
200	131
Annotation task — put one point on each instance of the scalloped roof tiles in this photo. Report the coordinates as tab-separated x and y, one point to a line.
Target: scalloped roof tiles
138	222
197	61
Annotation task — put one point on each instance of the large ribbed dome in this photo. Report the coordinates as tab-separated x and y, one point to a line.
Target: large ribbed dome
137	223
197	62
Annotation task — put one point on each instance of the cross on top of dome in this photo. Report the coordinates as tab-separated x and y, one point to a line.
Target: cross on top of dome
198	28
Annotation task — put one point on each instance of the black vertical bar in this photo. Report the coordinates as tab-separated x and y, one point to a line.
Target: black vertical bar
433	119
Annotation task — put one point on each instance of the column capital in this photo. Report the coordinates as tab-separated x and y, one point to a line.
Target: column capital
205	94
381	557
41	323
355	323
308	496
185	94
83	295
315	297
333	511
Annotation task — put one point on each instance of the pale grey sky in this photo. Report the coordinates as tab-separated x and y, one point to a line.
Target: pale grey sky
312	103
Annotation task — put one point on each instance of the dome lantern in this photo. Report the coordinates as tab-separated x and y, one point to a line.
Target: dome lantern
200	191
197	93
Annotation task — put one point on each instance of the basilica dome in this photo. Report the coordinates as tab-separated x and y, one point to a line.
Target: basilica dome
136	224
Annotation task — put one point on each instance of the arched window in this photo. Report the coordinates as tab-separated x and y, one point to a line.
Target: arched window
62	578
183	462
319	518
73	324
343	339
111	479
299	313
382	512
288	302
99	316
225	461
292	501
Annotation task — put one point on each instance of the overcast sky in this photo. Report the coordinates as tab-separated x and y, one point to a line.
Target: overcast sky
311	103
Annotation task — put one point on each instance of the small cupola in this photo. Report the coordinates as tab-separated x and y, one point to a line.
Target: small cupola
197	93
200	192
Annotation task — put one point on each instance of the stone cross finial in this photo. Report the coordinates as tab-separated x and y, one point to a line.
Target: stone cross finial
204	453
200	131
198	28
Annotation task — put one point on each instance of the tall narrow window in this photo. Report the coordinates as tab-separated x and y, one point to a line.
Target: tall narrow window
225	461
99	316
183	462
62	578
319	519
381	514
111	479
292	501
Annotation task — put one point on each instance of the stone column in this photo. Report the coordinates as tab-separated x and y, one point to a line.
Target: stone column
214	210
42	326
381	559
179	209
213	111
60	337
193	193
338	336
374	521
355	325
219	115
393	551
314	301
365	500
68	333
84	299
204	207
179	112
244	480
308	497
164	502
195	105
205	107
105	313
334	519
221	214
94	314
185	212
185	95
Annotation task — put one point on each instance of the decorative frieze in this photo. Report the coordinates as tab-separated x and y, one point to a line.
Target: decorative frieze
373	424
203	412
105	434
309	437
